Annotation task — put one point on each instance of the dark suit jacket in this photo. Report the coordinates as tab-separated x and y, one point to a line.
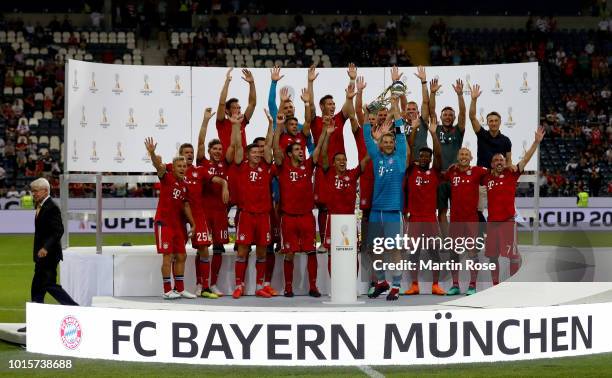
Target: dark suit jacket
48	233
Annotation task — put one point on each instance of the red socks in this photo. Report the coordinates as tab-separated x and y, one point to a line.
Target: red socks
495	273
260	268
215	268
167	284
240	269
179	283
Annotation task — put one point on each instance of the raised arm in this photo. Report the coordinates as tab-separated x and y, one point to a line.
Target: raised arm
155	159
350	114
324	142
248	77
411	138
267	153
279	155
348	107
458	87
422	76
363	164
396	76
400	141
208	114
321	150
539	135
312	76
475	93
237	138
434	86
369	139
223	96
306	97
361	84
275	76
437	147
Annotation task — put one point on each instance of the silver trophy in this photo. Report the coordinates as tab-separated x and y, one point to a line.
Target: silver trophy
396	89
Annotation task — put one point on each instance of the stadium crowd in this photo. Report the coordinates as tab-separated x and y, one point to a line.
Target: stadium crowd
575	85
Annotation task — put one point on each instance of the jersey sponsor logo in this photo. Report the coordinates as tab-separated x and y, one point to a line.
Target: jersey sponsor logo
456	180
176	193
253	176
293	176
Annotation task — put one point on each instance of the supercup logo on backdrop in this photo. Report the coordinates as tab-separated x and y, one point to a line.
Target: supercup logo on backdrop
117	87
146	88
131	122
75	83
509	120
497	87
104	121
161	121
92	83
525	85
525	143
468	85
94	153
119	155
481	117
83	122
75	156
178	88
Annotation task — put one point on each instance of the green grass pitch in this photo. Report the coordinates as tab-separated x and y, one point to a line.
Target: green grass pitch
16	268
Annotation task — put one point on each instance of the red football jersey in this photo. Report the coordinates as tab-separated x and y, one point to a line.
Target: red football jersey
366	180
296	193
422	193
254	192
336	140
172	196
501	191
196	177
342	189
286	139
224	131
464	187
213	193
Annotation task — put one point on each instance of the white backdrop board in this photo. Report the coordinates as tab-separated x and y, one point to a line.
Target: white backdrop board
111	108
509	89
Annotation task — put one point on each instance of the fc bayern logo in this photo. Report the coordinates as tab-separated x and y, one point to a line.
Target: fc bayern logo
70	332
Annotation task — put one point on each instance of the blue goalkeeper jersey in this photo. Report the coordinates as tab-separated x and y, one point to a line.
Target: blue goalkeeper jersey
388	171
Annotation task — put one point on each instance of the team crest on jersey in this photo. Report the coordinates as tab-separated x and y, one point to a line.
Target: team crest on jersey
195	174
391	161
298	141
302	167
346	178
501	176
258	169
241	236
428	172
220	165
469	172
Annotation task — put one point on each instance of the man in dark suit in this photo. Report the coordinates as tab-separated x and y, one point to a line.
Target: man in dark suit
47	250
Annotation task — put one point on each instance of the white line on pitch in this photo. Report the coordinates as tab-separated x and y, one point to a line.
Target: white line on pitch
370	372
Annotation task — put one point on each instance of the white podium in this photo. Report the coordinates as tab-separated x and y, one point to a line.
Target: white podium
343	288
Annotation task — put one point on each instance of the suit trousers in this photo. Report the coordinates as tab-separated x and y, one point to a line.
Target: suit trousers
45	281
